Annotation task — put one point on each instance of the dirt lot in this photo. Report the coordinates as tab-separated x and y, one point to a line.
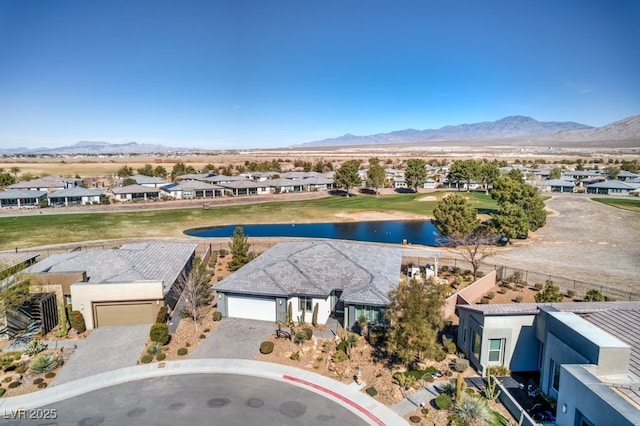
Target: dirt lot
582	240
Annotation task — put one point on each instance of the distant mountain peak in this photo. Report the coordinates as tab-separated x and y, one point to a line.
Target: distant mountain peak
98	147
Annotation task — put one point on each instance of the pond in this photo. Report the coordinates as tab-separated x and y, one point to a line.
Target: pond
394	231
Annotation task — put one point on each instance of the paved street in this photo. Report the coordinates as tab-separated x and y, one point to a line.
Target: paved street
234	338
106	349
202	399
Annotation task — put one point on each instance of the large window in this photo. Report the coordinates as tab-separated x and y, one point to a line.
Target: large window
555	369
476	342
305	304
495	350
371	313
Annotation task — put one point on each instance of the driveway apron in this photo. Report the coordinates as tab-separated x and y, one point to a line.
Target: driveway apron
234	338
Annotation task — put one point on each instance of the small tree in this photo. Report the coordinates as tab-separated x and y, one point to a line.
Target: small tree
548	294
375	176
239	247
416	173
455	216
197	291
593	295
347	175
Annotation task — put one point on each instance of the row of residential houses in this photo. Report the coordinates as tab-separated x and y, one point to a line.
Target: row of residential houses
59	191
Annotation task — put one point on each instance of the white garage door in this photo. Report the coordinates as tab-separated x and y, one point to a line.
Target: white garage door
258	308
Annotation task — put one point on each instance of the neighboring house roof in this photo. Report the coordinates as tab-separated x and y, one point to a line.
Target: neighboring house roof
45	182
190	185
627	174
76	192
582	173
612	184
14	194
196	176
147	180
244	184
559	182
9	259
134	189
277	183
223	178
300	175
160	261
317	180
364	272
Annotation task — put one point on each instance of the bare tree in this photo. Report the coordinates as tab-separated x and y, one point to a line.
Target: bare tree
197	291
474	248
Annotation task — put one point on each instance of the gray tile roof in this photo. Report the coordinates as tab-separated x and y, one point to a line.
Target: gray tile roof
76	192
612	184
364	272
161	261
144	179
243	184
9	259
13	194
189	184
45	182
134	189
559	182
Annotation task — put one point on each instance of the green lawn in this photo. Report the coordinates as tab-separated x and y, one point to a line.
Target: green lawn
29	231
621	203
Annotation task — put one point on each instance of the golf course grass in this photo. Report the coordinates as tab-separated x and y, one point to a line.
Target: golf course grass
37	230
621	203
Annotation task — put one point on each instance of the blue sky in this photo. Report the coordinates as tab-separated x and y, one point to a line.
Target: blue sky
247	74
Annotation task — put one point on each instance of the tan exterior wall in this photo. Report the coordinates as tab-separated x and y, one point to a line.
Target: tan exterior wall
470	293
60	279
84	295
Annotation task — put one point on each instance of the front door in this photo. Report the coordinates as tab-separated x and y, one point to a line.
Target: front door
337	305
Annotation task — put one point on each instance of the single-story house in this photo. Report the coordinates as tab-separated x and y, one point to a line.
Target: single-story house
47	184
189	189
283	185
610	187
136	193
75	196
218	179
557	185
118	287
581	174
625	176
246	187
343	279
399	182
317	183
22	198
587	353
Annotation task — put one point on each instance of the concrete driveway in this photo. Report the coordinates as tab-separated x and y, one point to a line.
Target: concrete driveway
234	338
106	349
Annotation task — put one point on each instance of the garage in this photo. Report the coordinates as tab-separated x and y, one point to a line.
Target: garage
123	313
251	307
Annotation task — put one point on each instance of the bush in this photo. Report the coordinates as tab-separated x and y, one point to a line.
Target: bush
479	274
266	347
295	356
203	336
518	299
161	356
538	286
217	316
38	381
484	301
44	363
162	315
34	347
222	252
42	385
339	356
342	347
450	347
182	351
462	364
498	370
146	359
371	391
77	321
50	375
159	333
415	419
444	268
154	348
2	391
571	293
6	379
22	368
502	290
491	295
300	336
308	331
472	410
184	314
13	385
443	402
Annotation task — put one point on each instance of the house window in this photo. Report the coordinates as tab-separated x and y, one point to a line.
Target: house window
305	304
371	313
495	350
475	344
555	368
464	331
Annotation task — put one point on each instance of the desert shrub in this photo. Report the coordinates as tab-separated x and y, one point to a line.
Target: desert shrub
502	290
342	347
320	358
8	359
472	410
300	336
146	359
154	348
185	313
353	339
295	356
22	368
206	330
77	321
461	364
34	347
6	379
50	375
448	388
439	356
222	252
188	345
161	356
415	419
339	356
161	317
593	295
182	351
455	270
2	391
371	391
42	385
571	293
479	274
491	295
203	336
444	268
13	385
44	363
518	299
538	286
159	333
266	347
443	402
484	301
38	380
308	331
498	370
217	316
450	347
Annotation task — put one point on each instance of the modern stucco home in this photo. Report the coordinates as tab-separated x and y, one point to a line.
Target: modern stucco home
345	280
587	353
122	286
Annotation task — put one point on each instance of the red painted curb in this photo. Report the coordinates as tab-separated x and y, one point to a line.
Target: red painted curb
358	407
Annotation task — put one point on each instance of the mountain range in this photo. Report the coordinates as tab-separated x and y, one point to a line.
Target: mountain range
96	148
509	127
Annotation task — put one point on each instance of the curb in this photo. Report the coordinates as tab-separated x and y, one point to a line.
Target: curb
361	405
